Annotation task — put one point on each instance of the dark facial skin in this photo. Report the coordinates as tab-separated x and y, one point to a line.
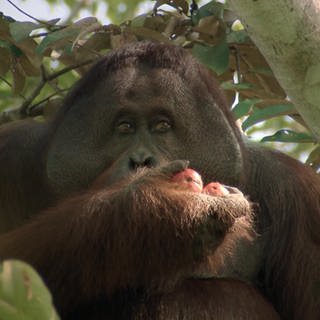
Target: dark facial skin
144	128
140	123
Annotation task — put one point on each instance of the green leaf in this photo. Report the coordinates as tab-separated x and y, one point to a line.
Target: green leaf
289	136
63	35
243	107
314	159
211	8
146	33
6	18
229	85
61	38
5	61
53	22
23	295
14	49
272	111
19	79
214	57
240	36
139	20
21	30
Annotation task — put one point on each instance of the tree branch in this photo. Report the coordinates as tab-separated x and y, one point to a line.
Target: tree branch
23	111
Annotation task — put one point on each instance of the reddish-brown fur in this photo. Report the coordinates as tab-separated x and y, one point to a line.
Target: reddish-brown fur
142	235
290	203
110	251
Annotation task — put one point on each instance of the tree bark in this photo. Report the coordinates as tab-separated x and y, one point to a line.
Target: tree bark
287	32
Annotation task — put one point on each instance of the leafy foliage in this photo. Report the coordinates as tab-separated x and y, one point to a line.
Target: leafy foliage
40	60
23	295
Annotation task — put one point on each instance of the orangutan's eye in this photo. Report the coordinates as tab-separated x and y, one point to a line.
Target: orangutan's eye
125	127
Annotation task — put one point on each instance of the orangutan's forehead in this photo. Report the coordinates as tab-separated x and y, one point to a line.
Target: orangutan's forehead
132	81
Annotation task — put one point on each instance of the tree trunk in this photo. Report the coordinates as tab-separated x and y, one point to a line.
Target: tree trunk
287	32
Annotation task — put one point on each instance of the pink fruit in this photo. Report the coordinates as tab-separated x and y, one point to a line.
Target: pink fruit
215	189
190	179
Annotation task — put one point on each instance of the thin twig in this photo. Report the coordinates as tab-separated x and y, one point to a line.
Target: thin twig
23	111
47	98
193	7
25	13
44	79
44	23
38	108
238	64
24	107
10	85
6	82
41	34
67	69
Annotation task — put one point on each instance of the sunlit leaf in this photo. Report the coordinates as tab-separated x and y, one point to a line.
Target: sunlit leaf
23	294
289	136
259	115
237	26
